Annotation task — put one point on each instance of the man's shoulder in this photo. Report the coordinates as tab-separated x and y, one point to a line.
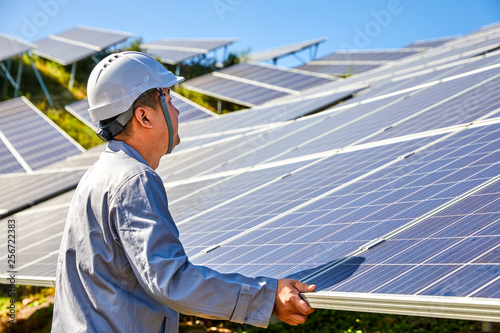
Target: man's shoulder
112	171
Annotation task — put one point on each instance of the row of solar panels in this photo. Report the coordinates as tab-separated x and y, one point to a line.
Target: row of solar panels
389	197
253	84
81	42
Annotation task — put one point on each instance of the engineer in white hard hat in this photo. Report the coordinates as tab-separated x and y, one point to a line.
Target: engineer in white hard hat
121	266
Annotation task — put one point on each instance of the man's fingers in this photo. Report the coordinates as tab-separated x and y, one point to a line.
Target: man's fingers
304	287
301	306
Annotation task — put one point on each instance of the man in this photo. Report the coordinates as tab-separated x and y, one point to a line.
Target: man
121	266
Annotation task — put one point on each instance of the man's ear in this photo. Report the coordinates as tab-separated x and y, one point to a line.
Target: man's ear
141	115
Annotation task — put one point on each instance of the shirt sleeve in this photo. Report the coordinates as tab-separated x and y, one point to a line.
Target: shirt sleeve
139	213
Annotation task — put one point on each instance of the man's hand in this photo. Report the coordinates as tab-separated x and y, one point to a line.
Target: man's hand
289	306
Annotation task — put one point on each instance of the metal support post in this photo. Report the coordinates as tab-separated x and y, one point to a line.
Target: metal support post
299	58
40	80
314	51
224	56
9	63
72	77
19	74
219	107
7	74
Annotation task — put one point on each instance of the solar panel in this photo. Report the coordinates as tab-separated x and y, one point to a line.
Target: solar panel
62	52
20	191
78	43
38	234
11	47
453	253
279	52
354	62
352	216
430	42
265	115
80	109
290	192
384	118
462	109
252	84
176	51
32	138
101	38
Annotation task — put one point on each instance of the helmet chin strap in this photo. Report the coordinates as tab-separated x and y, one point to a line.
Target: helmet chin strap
169	121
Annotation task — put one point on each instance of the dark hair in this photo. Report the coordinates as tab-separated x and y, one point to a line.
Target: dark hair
148	98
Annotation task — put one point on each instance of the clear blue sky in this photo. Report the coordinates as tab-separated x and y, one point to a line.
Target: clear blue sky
259	24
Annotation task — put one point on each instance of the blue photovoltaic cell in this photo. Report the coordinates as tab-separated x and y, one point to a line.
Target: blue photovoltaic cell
11	47
23	190
462	109
361	130
275	76
455	50
279	52
350	63
288	193
253	94
172	57
430	42
79	109
175	51
38	236
207	44
337	69
77	43
367	56
246	94
264	115
97	37
8	162
370	208
453	253
220	192
276	143
34	138
61	52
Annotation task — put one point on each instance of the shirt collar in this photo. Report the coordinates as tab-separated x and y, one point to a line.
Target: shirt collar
120	147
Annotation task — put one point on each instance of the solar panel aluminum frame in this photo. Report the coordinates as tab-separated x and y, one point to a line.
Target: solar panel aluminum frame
29	280
477	309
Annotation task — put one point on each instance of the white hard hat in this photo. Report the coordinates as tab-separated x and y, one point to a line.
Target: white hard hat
117	81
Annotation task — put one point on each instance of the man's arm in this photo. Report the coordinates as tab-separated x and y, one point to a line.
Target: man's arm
150	240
